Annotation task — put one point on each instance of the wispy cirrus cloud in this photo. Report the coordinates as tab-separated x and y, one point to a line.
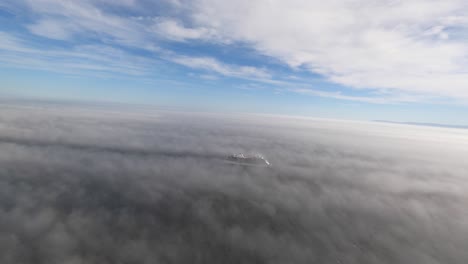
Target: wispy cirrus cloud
75	20
53	29
99	59
81	59
379	98
214	65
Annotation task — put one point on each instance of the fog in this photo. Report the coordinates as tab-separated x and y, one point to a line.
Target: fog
113	184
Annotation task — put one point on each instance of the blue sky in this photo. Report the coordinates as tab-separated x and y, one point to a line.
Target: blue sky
352	59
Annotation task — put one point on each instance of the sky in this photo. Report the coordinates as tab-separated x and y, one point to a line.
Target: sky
347	59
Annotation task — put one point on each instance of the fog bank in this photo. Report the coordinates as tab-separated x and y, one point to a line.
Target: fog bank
87	184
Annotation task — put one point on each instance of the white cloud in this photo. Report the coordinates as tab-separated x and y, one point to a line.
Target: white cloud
211	64
63	19
174	30
411	46
376	99
81	59
52	29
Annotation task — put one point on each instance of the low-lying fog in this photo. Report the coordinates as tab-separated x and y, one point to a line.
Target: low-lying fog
95	184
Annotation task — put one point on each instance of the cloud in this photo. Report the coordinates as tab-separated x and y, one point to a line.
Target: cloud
71	20
94	184
82	59
409	46
213	65
381	98
52	29
173	30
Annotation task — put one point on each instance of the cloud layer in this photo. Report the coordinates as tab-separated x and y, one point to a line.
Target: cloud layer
102	185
